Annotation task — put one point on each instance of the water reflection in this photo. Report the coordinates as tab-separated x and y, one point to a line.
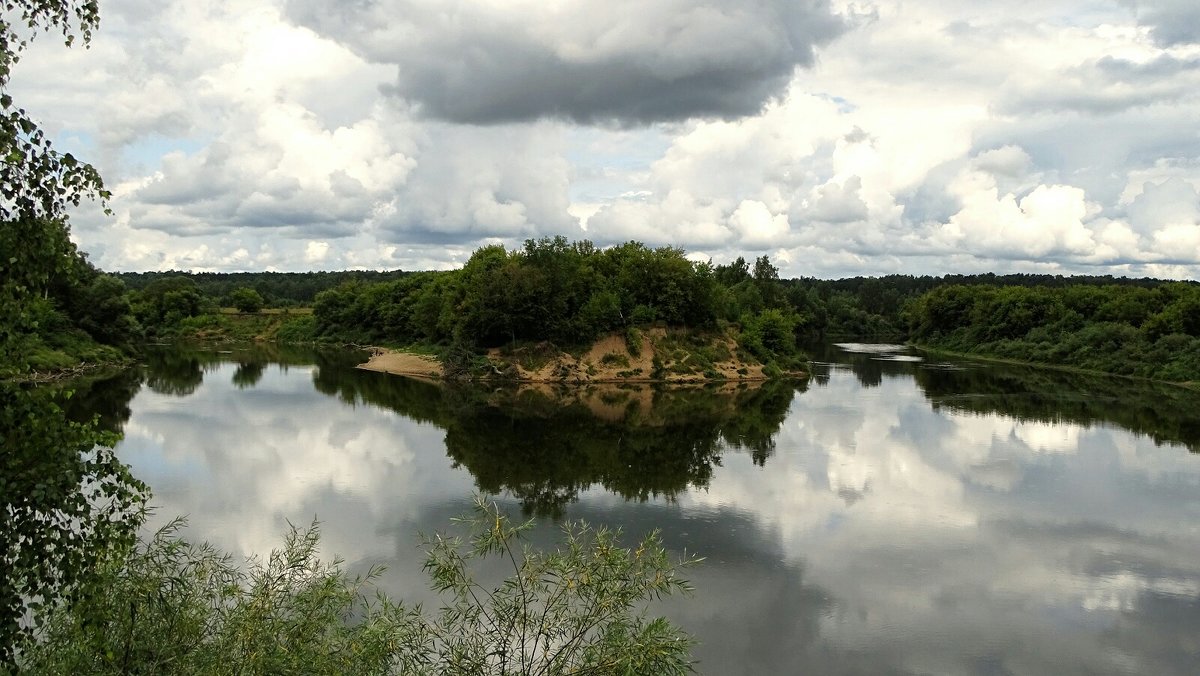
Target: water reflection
892	517
66	504
545	445
178	369
1166	413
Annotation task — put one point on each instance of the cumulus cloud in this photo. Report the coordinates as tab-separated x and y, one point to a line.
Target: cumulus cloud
472	182
1168	213
626	61
1172	202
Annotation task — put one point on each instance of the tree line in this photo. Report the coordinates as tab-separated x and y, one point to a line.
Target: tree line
1135	330
277	289
62	310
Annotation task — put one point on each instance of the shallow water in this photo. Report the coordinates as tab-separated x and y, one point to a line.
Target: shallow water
889	516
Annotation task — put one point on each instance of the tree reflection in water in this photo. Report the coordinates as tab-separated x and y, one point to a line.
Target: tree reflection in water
1166	413
545	445
66	503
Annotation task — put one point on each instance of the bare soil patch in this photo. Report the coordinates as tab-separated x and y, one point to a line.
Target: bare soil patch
651	355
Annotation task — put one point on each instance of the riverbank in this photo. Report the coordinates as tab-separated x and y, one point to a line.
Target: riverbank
1066	368
66	373
401	363
657	355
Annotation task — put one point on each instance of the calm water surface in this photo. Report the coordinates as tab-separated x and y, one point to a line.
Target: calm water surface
894	515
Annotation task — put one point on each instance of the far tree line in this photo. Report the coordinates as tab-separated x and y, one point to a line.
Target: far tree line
569	293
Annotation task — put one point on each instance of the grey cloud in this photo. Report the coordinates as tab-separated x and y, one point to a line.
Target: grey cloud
929	201
1171	202
1108	85
173	222
208	175
184	206
1009	161
1163	66
857	135
1171	22
625	62
471	182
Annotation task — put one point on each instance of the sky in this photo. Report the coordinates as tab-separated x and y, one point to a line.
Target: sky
839	138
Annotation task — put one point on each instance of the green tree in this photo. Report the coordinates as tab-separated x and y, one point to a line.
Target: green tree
100	306
246	300
766	278
168	300
37	183
733	273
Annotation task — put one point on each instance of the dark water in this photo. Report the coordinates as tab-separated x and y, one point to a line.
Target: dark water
891	516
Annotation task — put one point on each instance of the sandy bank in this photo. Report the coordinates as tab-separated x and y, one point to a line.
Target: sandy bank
656	356
403	363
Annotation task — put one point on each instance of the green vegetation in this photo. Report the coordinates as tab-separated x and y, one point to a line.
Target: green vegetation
876	307
246	300
549	291
278	289
170	607
56	310
1126	330
567	295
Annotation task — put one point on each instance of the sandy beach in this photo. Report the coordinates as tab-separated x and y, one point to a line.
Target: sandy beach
403	363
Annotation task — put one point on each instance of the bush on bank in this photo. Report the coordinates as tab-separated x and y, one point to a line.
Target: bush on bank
171	607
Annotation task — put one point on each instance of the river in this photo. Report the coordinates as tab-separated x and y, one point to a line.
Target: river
893	515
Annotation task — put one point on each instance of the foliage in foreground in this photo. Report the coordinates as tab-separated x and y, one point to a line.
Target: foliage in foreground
55	309
176	608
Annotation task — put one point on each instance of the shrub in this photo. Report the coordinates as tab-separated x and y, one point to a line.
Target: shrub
633	340
302	329
246	300
614	359
177	608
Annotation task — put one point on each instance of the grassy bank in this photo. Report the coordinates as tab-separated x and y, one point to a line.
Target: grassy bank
1066	368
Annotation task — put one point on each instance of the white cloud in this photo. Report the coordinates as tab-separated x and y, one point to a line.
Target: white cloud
316	252
1049	220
